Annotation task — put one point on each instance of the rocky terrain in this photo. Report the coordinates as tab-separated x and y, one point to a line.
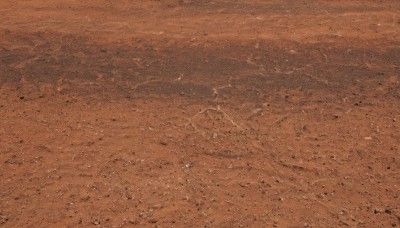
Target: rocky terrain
178	113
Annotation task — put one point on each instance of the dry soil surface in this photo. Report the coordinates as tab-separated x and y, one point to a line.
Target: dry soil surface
185	113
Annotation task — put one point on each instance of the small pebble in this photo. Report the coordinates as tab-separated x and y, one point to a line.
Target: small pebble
152	220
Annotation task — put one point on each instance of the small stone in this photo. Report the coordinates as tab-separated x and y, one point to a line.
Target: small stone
388	211
134	222
96	222
85	198
3	219
153	220
162	142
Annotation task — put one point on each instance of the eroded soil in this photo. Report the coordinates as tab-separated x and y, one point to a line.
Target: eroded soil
199	113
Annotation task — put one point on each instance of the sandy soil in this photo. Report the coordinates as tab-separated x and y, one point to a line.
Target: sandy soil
181	113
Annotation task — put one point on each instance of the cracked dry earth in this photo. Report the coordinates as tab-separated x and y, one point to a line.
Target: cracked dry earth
242	113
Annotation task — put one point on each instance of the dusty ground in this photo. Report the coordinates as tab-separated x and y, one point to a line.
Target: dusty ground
199	113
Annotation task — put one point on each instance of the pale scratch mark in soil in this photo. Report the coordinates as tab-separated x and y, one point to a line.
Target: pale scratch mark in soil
144	83
217	109
215	89
250	62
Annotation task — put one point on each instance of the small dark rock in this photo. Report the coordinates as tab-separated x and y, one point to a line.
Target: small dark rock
3	219
152	220
163	143
89	143
21	97
388	211
85	198
134	222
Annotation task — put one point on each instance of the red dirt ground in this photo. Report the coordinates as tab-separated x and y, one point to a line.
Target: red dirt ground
184	113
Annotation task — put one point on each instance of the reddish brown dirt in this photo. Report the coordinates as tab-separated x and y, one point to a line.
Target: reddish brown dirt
199	113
